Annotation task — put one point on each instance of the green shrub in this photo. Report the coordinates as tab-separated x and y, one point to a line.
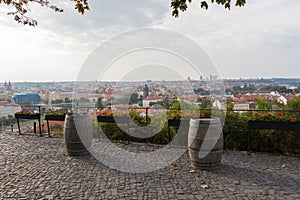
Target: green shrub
235	130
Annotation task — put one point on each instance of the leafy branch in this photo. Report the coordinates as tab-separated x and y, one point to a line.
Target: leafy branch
21	8
182	5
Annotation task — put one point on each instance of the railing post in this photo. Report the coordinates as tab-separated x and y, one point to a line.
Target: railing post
169	132
147	115
146	124
18	125
34	127
248	140
40	127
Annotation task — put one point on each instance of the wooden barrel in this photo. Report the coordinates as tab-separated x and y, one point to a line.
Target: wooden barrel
78	134
205	141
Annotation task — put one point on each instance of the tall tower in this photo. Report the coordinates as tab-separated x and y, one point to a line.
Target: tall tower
146	91
7	86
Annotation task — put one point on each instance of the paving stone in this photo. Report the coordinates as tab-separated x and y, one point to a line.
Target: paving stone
39	168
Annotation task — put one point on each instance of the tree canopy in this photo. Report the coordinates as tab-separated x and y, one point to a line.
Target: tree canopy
21	7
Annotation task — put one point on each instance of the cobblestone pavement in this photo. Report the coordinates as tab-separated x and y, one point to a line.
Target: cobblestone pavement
39	168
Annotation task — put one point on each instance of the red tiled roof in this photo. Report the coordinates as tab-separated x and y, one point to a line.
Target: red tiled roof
4	103
289	97
153	98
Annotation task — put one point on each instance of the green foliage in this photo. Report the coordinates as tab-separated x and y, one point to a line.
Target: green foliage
134	98
67	100
205	103
201	91
242	90
138	119
235	132
175	106
280	89
229	105
56	129
99	104
182	5
58	112
236	136
164	103
21	8
263	104
294	104
235	129
6	121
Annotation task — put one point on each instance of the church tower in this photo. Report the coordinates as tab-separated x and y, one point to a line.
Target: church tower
7	86
146	91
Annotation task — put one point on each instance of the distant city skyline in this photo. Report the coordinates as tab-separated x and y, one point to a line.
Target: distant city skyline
147	80
260	40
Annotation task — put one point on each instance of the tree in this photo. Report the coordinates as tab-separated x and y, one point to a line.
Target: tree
229	105
263	104
99	104
134	98
294	104
298	90
21	7
205	102
175	106
67	100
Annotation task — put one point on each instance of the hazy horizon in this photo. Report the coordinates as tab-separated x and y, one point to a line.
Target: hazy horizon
113	81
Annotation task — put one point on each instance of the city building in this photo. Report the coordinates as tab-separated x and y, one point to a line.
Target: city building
4	96
26	98
151	99
8	109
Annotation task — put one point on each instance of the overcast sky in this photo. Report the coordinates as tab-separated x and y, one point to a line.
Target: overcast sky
260	40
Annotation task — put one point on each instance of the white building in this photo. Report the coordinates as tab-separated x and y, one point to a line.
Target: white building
220	103
282	100
151	99
4	96
8	109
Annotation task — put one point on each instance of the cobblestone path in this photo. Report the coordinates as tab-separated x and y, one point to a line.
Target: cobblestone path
39	168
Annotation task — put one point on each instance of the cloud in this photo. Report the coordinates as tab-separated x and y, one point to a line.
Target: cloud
59	45
105	19
261	39
104	14
257	40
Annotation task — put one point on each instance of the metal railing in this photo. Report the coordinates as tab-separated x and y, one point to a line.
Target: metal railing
238	134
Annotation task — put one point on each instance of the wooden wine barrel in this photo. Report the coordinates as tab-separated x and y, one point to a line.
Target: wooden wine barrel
78	134
205	141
